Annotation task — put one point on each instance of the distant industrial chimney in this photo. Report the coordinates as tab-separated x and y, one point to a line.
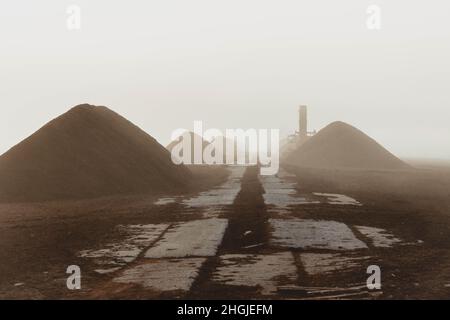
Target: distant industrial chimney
303	122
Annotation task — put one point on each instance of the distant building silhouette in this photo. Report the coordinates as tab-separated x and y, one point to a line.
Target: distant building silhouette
302	134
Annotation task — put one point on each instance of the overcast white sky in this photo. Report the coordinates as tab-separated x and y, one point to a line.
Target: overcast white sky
233	64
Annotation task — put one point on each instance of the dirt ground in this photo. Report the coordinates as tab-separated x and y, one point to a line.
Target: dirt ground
39	241
413	204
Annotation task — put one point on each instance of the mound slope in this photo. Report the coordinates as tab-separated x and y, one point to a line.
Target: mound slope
87	152
340	145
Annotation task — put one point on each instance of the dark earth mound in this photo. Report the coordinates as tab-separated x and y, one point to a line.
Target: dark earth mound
340	145
87	152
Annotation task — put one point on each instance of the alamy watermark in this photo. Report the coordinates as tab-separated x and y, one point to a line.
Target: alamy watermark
374	280
234	147
73	282
73	21
373	21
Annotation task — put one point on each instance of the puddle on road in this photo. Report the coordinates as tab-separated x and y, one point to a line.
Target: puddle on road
252	270
380	237
214	197
334	198
116	255
212	212
314	234
164	201
108	270
351	291
329	263
192	238
164	275
281	193
220	196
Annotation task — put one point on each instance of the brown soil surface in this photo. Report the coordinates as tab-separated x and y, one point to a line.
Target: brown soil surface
413	205
39	240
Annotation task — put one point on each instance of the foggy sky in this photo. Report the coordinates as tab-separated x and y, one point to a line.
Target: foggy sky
233	64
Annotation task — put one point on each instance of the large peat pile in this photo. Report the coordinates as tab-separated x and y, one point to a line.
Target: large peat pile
87	152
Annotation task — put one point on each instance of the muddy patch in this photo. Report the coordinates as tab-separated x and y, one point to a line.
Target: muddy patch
340	199
280	193
117	254
265	272
330	263
163	275
213	200
314	234
167	200
193	238
354	291
380	237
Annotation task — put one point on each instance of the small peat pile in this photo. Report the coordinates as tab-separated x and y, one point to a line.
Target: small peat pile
196	144
188	140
